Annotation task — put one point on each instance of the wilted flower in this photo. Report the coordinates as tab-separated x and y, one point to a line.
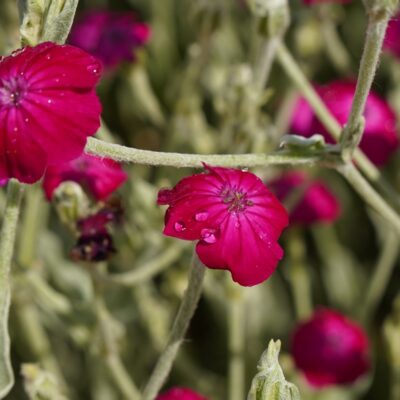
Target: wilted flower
113	37
48	107
101	176
392	38
236	219
180	393
313	202
330	349
94	242
379	140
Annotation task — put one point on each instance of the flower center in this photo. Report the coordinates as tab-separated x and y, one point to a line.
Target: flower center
12	91
235	199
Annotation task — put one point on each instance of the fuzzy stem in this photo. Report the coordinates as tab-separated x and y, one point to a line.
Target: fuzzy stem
353	131
236	341
177	334
180	160
7	240
263	66
331	125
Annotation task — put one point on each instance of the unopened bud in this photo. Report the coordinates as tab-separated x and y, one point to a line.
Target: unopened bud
70	202
270	382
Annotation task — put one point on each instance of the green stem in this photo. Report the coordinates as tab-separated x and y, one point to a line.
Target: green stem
375	34
7	240
236	342
293	70
179	160
334	46
395	384
382	274
149	269
370	196
179	328
298	276
114	363
32	218
263	66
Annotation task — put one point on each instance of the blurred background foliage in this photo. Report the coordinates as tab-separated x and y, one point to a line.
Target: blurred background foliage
189	91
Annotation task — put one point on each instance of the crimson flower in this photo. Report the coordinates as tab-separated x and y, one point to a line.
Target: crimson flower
48	107
236	219
380	138
101	176
110	36
330	349
180	393
392	38
315	203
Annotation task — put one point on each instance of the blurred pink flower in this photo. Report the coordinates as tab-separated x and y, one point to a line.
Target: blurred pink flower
180	393
48	107
392	38
236	219
380	139
101	176
316	202
110	36
3	182
330	349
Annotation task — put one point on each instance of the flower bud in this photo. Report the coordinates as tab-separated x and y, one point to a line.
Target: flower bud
270	383
70	202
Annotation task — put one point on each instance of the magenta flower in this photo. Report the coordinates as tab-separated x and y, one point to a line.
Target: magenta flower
101	176
380	139
48	107
180	393
316	202
112	37
236	219
392	38
330	349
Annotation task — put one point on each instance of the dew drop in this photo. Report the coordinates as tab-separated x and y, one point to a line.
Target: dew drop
208	235
93	70
201	216
179	226
26	119
15	129
49	101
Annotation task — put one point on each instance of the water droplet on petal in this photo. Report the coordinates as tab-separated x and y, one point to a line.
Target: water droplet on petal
201	216
209	235
49	101
93	69
179	226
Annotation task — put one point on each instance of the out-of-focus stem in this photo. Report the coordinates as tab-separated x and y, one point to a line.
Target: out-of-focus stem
334	46
114	363
382	273
370	196
181	160
264	62
236	342
353	130
298	276
149	269
7	240
179	328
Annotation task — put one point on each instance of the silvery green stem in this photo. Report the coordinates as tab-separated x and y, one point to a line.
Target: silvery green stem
177	334
306	89
236	341
353	131
181	160
7	239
